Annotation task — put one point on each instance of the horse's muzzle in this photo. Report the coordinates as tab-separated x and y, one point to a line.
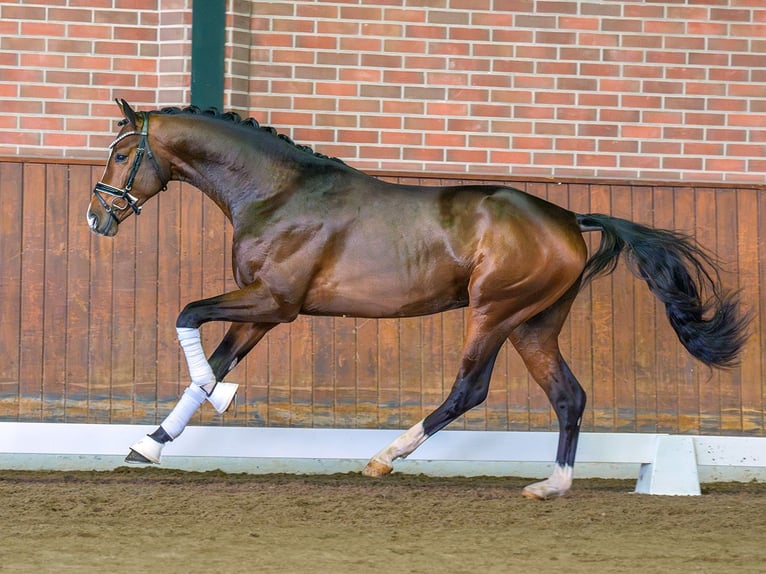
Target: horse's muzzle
105	224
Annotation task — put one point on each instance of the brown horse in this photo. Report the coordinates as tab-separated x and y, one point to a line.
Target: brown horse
315	236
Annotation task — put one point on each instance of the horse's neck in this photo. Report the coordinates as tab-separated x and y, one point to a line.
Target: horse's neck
227	166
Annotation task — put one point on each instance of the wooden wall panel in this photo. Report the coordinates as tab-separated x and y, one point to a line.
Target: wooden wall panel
88	330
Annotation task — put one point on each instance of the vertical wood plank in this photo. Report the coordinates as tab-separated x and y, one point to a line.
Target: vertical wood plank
389	375
323	342
123	322
709	382
55	293
367	373
685	201
410	353
212	268
11	198
541	416
78	295
300	372
100	332
644	329
32	292
751	371
726	247
146	312
169	368
590	322
345	372
666	347
624	287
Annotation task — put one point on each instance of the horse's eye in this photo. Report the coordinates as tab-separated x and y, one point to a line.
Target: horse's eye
120	157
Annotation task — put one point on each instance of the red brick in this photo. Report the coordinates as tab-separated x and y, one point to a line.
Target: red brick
47	123
424	124
429	32
533	112
427	93
403	77
662	117
404	46
22	44
554	98
15	12
510	157
442	140
403	107
596	160
64	139
489	141
423	154
491	110
468	125
447	79
554	158
682	163
640	161
748	150
598	100
467	155
357	136
511	96
575	144
366	75
43	92
446	109
523	142
469	34
409	139
425	62
600	130
703	148
661	148
578	23
641	132
380	152
724	164
555	128
43	60
683	133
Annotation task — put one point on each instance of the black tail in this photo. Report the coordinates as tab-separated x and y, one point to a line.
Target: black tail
683	276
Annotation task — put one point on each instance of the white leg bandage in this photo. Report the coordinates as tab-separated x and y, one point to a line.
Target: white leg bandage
179	417
199	369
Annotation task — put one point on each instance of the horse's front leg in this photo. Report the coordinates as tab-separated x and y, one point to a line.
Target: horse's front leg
253	311
238	341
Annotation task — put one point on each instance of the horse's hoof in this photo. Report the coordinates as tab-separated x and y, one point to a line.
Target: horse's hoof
533	494
222	396
376	469
145	451
137	458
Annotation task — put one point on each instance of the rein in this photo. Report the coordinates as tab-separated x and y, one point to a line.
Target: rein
124	193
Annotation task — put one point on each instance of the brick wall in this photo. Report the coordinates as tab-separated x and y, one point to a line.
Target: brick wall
671	90
62	63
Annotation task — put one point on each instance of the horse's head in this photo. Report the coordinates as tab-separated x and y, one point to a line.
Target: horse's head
128	181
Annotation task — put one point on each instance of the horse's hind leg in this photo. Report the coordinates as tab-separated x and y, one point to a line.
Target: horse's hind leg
470	389
238	341
537	343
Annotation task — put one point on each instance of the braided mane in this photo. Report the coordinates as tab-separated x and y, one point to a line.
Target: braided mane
251	123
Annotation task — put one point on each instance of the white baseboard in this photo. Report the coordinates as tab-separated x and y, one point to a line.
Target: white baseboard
55	446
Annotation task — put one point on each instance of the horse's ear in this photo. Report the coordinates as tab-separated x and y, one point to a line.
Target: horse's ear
127	111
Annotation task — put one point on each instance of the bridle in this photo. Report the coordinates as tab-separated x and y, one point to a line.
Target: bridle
123	194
